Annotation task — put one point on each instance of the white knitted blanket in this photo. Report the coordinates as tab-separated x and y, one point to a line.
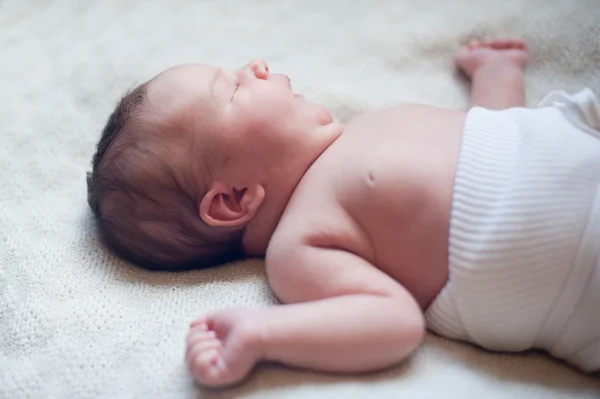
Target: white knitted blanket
75	322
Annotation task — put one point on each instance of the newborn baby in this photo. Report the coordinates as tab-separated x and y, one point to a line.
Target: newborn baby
481	225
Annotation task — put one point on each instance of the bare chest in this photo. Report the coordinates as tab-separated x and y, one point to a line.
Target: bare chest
384	190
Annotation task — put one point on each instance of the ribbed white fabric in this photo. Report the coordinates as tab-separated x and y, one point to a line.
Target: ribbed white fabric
525	232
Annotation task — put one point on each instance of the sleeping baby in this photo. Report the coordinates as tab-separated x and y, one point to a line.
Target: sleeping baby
482	225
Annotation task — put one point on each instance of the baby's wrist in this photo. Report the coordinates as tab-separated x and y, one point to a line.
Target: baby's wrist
255	333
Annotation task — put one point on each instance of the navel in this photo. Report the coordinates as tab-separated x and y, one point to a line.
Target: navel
370	178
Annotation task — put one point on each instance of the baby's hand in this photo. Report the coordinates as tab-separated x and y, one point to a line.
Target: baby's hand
223	347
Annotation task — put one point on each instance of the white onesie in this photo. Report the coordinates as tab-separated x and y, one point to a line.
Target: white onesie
525	232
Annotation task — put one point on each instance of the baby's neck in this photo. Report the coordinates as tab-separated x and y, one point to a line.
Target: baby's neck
258	232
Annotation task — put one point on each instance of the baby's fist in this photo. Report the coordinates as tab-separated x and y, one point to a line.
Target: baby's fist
223	347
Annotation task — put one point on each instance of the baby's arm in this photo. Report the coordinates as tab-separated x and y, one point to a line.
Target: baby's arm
344	316
359	319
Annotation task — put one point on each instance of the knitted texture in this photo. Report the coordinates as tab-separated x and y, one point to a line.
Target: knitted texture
76	322
524	235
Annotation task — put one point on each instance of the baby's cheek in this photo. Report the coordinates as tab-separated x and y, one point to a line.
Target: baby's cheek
277	110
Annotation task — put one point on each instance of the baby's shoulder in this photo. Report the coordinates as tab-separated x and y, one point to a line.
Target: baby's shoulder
315	222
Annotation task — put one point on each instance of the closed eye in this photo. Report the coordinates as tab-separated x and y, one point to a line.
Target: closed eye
237	86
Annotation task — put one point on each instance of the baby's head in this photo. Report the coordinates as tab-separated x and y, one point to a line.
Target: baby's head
190	160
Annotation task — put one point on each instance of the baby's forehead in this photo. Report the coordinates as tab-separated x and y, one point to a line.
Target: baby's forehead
186	72
181	83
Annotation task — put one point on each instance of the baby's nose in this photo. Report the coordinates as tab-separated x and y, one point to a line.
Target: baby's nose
259	68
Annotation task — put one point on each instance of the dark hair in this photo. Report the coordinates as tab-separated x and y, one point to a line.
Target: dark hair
147	207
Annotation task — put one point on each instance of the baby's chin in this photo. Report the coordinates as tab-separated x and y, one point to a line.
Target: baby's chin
323	114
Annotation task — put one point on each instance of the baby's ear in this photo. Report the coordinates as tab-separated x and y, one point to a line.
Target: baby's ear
224	206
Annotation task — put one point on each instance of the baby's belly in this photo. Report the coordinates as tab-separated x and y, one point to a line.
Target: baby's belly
524	236
404	199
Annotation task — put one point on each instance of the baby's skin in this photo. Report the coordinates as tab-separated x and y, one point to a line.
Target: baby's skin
355	234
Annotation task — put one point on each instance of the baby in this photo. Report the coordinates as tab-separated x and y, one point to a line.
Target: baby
481	225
